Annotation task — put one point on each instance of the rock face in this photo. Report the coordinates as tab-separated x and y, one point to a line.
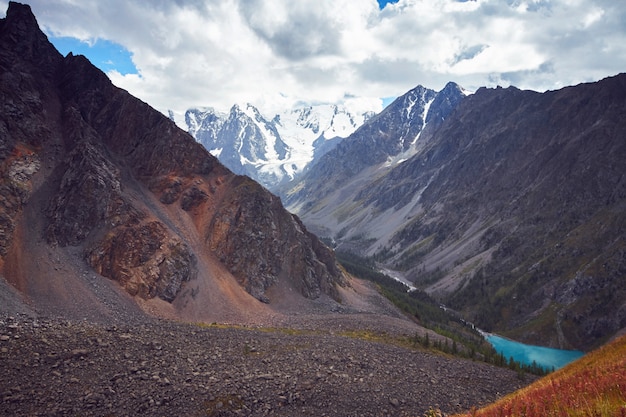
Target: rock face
511	211
145	260
281	243
272	150
90	193
102	174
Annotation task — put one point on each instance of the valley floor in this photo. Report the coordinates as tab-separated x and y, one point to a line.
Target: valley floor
162	368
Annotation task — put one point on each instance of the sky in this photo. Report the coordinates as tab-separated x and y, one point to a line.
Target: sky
178	54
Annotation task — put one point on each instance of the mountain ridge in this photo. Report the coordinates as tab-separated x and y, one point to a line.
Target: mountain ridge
97	183
386	140
271	150
494	215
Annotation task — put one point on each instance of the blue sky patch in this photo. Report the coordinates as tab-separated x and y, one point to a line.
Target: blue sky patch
104	54
383	3
388	100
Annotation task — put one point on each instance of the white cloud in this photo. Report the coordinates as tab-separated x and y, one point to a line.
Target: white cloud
278	53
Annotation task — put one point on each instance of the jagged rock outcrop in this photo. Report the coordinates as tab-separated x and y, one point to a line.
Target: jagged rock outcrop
89	194
145	259
118	182
280	239
22	128
15	188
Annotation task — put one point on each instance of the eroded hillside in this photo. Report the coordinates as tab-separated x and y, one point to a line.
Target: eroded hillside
97	183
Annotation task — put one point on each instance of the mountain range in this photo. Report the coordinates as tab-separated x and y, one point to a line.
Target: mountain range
108	207
478	199
272	150
506	205
385	141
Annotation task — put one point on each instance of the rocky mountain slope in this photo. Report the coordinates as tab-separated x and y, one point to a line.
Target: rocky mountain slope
272	150
164	368
95	184
511	210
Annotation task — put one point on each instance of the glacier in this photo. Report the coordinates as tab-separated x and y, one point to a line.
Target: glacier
273	150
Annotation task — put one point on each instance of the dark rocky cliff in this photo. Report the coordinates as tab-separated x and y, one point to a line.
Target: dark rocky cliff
541	180
104	173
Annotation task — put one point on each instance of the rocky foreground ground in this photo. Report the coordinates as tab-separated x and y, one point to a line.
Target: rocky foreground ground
161	368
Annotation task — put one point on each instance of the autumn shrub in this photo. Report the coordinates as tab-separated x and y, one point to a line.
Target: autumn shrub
593	386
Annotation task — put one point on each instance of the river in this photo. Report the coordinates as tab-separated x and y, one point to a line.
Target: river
398	276
543	356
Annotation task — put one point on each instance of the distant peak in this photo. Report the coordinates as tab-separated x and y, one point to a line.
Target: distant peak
452	87
418	89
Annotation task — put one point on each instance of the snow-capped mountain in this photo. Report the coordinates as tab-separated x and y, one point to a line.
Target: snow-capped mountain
272	150
394	135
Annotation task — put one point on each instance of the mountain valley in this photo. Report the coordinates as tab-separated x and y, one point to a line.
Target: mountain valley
509	209
139	275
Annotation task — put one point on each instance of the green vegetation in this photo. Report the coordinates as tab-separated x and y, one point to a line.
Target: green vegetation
458	339
415	303
415	253
559	251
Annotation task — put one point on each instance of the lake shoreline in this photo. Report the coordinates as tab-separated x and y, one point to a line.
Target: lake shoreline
545	357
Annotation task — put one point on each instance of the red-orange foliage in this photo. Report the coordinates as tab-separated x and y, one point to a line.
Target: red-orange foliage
593	386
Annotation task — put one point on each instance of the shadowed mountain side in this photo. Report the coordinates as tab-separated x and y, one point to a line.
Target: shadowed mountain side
512	212
387	138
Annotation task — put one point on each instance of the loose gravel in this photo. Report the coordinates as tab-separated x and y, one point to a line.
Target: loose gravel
55	367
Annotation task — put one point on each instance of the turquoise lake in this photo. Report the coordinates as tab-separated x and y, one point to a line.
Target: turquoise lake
542	356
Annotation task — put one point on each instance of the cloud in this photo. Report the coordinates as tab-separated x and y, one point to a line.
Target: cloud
469	53
275	54
294	30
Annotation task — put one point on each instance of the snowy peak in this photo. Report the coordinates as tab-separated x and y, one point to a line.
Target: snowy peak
412	112
206	123
271	150
444	102
329	120
394	134
384	141
275	150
